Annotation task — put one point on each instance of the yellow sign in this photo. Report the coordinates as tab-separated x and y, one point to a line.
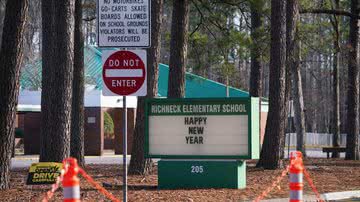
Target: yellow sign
43	173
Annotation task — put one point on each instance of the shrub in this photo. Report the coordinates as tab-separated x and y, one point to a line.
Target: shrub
108	126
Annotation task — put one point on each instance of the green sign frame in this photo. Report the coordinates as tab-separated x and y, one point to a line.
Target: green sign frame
252	105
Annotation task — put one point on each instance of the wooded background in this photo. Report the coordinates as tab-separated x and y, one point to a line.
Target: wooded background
221	29
282	50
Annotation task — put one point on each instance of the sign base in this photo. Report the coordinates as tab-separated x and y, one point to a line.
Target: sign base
179	174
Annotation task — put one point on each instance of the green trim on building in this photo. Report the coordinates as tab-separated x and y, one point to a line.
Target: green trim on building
255	129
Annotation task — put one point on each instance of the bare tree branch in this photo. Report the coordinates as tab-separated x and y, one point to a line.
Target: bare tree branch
326	11
90	18
201	18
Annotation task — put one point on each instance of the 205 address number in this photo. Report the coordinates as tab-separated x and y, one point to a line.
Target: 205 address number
197	169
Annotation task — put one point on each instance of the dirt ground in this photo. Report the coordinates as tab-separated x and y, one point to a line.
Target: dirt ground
328	176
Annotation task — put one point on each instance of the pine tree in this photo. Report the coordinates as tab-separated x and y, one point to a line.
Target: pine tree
275	124
11	56
77	114
138	164
57	71
178	48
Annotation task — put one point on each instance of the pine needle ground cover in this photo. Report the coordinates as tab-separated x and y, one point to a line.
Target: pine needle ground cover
328	175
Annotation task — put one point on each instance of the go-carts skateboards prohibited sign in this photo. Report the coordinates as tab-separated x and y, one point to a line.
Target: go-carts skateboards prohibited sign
124	73
124	23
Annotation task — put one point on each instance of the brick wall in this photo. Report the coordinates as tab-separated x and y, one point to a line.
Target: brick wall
31	124
94	124
94	131
263	117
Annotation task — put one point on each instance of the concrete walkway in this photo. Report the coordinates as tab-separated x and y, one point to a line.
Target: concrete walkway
333	196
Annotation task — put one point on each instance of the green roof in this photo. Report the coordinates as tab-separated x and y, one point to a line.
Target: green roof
195	86
30	77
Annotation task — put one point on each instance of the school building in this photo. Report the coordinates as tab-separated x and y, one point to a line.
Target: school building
29	107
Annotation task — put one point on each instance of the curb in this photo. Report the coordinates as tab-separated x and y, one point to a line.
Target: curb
341	195
305	198
327	196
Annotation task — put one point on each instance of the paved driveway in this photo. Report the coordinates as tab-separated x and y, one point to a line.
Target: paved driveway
22	161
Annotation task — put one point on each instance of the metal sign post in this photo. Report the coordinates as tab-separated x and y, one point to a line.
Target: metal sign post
289	125
124	24
124	149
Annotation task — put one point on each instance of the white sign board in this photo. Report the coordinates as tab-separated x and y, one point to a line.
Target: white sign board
91	120
124	73
124	23
212	135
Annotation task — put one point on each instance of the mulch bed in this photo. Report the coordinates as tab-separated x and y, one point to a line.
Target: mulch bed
328	176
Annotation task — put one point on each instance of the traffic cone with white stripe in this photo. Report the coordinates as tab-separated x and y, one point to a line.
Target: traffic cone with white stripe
296	177
71	182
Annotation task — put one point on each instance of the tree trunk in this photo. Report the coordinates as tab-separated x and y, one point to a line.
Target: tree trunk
256	69
275	124
2	16
298	102
77	113
314	95
138	164
288	84
11	56
293	62
352	140
178	48
336	85
57	70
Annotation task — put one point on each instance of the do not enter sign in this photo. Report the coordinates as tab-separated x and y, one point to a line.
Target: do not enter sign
124	72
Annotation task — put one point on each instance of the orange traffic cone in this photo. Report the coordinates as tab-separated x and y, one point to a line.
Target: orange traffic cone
71	182
296	177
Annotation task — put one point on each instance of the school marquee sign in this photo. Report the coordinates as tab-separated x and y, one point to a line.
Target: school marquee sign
209	128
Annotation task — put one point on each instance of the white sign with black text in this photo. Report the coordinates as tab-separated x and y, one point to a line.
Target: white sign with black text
210	135
124	23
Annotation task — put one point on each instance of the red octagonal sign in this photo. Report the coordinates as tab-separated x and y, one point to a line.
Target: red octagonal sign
124	72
